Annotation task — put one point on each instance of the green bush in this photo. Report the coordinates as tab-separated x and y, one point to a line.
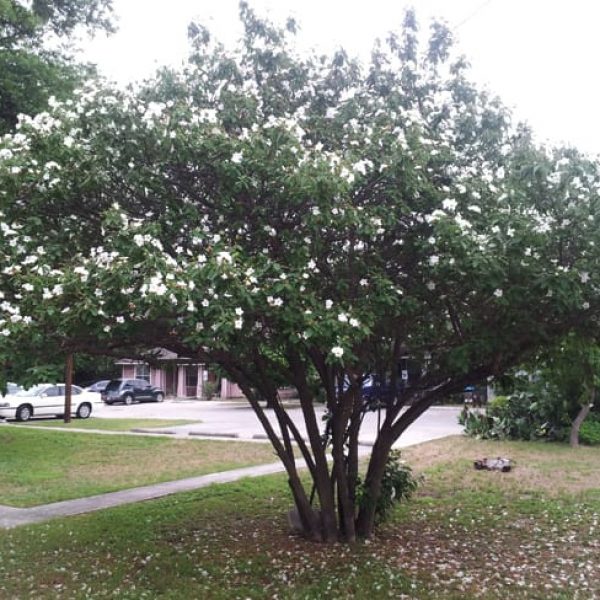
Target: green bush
398	484
530	414
589	434
209	389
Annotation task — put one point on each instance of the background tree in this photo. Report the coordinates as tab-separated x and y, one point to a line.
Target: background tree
572	368
31	69
307	220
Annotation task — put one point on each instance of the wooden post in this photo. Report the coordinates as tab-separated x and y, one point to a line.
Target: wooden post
68	386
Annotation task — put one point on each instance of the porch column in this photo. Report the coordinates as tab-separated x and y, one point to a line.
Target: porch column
200	382
224	388
181	391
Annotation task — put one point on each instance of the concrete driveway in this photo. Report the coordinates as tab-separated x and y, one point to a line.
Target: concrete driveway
236	419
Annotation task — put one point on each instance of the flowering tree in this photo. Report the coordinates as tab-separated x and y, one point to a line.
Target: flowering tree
301	220
31	69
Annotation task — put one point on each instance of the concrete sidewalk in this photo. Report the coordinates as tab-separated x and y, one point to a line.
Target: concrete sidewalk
440	423
13	517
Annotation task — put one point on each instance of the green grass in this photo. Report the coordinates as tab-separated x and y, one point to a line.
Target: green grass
467	534
110	424
40	466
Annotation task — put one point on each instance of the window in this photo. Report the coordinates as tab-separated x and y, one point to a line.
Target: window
74	390
142	372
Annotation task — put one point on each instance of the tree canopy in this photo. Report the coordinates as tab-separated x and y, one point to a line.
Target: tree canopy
300	219
30	70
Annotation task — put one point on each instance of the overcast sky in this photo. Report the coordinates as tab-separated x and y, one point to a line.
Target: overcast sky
540	56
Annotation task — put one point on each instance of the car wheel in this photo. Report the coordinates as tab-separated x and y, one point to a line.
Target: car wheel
159	397
84	411
128	399
24	412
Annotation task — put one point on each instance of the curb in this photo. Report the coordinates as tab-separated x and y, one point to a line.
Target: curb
162	431
214	434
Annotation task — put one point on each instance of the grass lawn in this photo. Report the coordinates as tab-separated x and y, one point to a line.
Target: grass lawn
38	466
532	533
109	424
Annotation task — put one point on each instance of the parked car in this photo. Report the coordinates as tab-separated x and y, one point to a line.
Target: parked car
44	400
131	390
11	389
98	387
377	395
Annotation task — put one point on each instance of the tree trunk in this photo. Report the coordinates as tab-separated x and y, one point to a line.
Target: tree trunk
365	522
579	419
68	387
345	504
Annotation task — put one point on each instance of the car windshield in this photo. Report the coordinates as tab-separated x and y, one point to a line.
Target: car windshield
36	390
115	384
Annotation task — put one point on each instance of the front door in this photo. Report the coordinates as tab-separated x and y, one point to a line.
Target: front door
171	380
50	402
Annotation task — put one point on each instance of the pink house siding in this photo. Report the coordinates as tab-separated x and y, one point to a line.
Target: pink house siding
128	372
173	379
230	389
156	377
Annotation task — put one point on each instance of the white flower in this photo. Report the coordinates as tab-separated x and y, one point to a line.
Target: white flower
120	319
337	351
238	323
343	318
585	277
190	306
354	322
274	301
449	204
239	311
237	158
205	303
434	260
430	286
474	208
328	304
585	305
315	210
363	282
498	293
224	257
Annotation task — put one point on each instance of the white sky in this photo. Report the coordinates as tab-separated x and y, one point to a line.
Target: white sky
540	56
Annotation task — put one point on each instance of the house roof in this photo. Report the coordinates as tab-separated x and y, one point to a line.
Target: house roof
158	355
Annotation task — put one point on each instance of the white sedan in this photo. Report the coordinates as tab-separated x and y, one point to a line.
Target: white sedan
47	399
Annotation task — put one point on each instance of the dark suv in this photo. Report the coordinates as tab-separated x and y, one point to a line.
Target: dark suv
130	390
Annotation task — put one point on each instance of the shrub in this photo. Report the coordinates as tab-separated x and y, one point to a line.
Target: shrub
589	434
209	390
398	484
524	415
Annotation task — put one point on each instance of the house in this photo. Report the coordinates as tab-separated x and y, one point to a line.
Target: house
178	376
